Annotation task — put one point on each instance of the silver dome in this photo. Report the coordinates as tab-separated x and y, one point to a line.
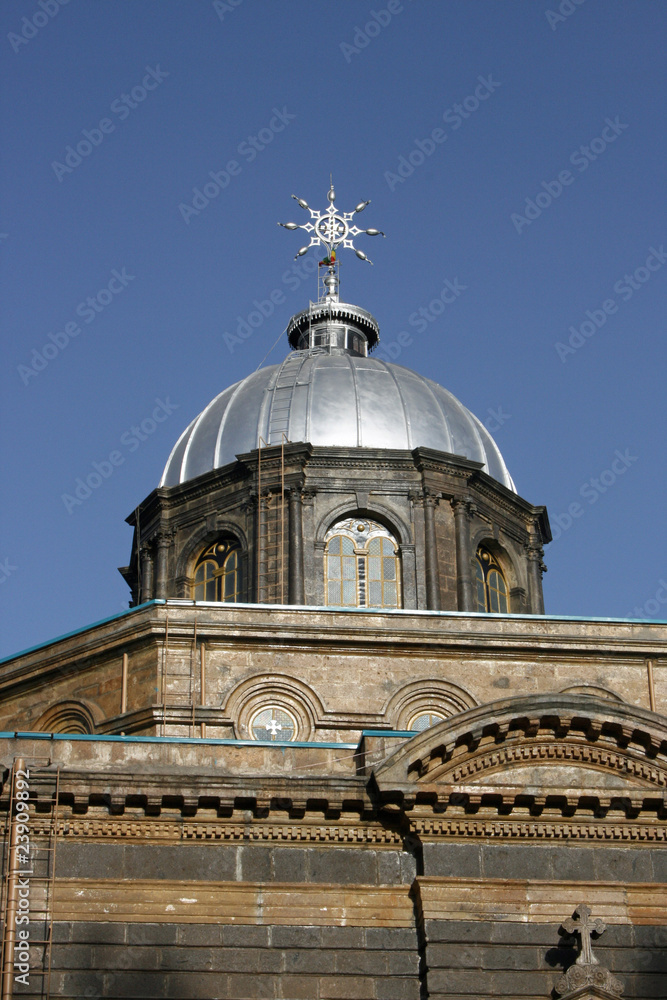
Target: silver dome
332	399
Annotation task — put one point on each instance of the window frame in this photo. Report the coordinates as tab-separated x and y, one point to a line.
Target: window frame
219	554
359	533
487	569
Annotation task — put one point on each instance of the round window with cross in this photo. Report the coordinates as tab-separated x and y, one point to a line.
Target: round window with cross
273	723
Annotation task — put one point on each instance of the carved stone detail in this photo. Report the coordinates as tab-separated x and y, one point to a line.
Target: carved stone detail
586	971
566	752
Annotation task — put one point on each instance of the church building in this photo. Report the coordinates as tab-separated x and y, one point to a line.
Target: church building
335	749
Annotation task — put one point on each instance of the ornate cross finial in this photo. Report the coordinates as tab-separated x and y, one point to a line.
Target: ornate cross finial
587	972
584	927
331	228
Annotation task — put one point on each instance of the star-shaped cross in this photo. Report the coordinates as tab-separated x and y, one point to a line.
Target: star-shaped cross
331	228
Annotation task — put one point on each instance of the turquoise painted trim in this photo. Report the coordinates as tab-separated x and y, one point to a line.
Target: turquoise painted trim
415	612
405	612
391	733
79	631
207	741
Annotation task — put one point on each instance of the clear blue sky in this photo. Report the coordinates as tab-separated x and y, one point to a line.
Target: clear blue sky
170	91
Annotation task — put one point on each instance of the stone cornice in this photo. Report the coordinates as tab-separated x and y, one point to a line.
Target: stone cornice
315	628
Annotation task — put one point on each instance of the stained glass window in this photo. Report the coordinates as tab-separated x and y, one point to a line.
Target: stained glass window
362	566
218	573
491	586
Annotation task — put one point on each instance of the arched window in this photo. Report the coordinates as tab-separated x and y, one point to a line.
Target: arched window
218	573
491	586
424	720
361	566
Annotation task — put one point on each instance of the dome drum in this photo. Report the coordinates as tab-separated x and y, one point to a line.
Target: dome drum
280	507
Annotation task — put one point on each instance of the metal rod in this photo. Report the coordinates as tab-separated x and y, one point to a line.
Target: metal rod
202	681
282	517
193	683
651	686
165	645
259	521
123	686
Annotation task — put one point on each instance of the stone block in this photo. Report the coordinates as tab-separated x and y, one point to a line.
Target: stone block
198	935
250	988
398	989
342	937
192	862
503	958
514	861
150	934
72	956
403	963
289	864
137	984
361	963
458	930
659	861
453	956
310	960
99	933
513	933
77	860
572	862
80	984
408	868
184	959
391	938
347	988
255	863
343	866
194	986
298	987
62	931
296	937
115	957
245	935
649	936
389	868
459	860
617	864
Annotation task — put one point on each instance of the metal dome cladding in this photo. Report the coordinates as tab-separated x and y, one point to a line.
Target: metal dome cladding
334	399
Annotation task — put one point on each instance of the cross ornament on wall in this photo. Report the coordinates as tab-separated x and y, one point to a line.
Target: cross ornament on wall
584	927
273	727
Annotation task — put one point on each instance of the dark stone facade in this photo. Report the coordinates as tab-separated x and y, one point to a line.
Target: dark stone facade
439	508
